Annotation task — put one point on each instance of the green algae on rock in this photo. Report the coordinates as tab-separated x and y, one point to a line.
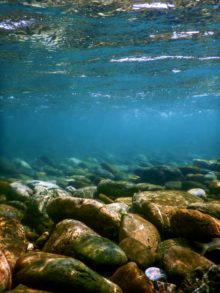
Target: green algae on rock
58	273
73	238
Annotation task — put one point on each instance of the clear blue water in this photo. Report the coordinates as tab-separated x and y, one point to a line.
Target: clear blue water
110	77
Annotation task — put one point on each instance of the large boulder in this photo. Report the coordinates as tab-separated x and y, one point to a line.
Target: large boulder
58	273
73	238
96	215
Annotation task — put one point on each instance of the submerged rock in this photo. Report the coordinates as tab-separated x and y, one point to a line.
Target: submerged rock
131	279
85	192
137	252
12	240
91	212
197	192
167	198
10	212
116	188
75	239
58	273
178	261
194	225
25	289
134	226
5	273
210	208
36	214
160	216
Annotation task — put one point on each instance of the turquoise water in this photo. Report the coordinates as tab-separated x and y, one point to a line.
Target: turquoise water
110	77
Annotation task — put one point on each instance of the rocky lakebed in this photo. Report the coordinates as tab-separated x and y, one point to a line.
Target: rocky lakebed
102	225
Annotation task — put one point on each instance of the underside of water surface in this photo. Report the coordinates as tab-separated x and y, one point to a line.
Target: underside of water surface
110	79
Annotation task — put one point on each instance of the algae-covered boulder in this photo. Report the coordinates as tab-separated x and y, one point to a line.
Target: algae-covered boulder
131	279
136	227
12	240
96	215
195	225
73	238
116	188
58	273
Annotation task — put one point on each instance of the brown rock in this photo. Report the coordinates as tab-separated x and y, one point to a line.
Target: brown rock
91	212
177	261
5	273
209	208
160	216
195	225
134	226
131	279
137	252
10	212
12	240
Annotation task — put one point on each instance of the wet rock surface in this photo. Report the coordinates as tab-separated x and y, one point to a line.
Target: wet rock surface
61	274
75	239
93	234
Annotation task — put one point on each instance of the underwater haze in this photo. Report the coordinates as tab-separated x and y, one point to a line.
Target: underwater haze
93	78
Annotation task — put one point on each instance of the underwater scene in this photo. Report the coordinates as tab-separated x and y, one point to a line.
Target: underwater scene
110	146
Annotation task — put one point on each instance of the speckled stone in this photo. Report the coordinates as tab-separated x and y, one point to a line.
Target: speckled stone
5	273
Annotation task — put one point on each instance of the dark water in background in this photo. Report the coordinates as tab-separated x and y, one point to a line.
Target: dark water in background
123	77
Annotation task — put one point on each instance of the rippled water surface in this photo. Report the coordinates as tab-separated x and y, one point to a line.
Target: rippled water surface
124	77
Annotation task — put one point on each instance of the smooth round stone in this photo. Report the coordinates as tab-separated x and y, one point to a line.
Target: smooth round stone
24	289
10	212
211	208
58	273
21	191
155	274
197	192
116	188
